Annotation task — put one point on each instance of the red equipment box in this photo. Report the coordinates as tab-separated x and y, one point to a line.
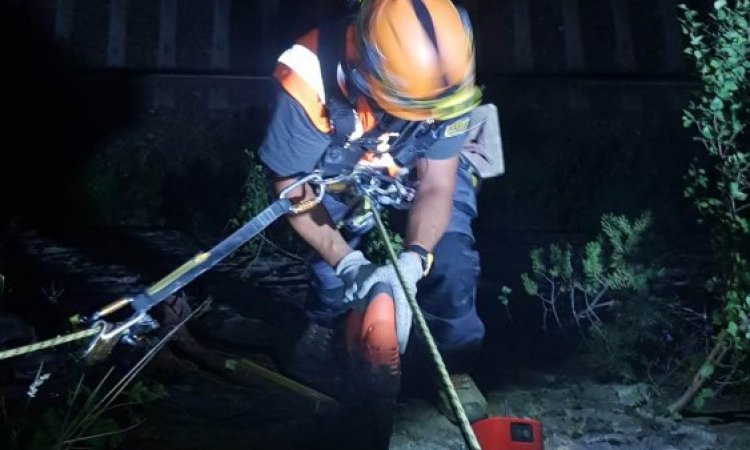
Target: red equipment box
509	433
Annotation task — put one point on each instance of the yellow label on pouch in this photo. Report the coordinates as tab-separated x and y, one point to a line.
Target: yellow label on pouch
457	128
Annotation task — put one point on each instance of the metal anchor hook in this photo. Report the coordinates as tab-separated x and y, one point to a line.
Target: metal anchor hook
103	343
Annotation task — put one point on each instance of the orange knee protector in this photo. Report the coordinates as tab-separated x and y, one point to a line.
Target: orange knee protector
371	334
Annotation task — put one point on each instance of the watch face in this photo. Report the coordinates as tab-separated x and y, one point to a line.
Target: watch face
425	257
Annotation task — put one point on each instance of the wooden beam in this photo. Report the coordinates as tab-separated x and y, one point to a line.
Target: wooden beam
220	37
625	52
166	54
674	60
117	38
522	36
218	97
574	60
624	49
64	20
269	11
573	42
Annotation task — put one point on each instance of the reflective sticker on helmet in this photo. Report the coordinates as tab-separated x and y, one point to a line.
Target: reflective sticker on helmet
457	128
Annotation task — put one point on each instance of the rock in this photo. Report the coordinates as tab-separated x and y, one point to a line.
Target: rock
223	323
695	438
631	395
609	438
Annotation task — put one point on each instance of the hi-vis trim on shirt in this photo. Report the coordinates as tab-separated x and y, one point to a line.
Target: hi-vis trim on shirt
457	128
306	64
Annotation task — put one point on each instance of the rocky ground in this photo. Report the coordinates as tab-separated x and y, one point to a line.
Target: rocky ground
577	415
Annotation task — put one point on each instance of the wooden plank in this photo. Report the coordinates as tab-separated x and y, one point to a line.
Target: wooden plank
218	97
64	20
574	60
118	15
269	11
625	52
573	42
624	49
220	37
674	60
522	36
166	54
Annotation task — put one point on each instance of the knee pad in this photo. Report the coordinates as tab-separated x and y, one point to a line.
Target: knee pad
371	335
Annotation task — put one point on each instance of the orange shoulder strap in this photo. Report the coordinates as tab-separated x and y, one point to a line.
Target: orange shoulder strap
298	72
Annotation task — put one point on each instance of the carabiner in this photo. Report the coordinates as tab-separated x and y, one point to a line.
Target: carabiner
103	343
313	179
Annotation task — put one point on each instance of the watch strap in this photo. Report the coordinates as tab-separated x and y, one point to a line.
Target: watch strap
425	256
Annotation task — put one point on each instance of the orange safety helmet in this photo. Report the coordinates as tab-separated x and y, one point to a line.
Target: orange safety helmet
415	58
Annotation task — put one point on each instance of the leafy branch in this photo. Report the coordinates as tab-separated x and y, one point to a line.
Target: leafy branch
719	181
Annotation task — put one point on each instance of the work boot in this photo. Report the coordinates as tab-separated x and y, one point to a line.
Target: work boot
471	398
316	360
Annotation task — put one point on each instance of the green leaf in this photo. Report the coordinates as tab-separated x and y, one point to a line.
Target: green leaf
735	191
529	285
537	265
706	370
718	4
732	329
717	104
700	398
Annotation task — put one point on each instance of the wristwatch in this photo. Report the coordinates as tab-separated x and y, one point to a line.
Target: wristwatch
425	257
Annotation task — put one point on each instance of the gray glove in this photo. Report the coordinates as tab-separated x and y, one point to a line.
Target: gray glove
359	276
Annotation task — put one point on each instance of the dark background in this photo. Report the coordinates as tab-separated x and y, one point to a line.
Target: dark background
587	128
110	122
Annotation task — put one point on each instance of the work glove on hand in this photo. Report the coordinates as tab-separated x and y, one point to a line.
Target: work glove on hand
360	275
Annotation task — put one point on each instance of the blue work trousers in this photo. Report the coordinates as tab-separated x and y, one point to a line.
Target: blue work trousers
446	295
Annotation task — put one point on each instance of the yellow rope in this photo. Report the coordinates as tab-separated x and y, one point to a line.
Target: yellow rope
5	354
450	390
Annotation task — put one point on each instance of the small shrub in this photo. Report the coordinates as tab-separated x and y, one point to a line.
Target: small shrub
578	292
602	291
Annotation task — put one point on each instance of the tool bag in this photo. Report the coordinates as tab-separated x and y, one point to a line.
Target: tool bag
483	148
